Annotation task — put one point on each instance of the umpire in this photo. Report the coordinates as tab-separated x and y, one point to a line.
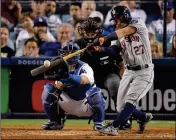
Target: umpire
108	69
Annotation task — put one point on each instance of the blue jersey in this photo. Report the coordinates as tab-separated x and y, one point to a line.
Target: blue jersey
78	92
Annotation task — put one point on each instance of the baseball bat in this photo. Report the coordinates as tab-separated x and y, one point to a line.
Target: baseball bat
54	63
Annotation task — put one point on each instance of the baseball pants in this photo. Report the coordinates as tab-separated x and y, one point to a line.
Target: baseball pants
134	85
73	107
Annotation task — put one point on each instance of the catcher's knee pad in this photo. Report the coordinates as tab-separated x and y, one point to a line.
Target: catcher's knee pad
50	94
96	101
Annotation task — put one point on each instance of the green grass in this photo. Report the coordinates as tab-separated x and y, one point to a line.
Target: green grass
38	122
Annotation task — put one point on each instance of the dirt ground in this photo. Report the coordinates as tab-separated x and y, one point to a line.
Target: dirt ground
82	133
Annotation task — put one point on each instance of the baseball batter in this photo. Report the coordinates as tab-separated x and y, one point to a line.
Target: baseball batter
74	92
138	75
107	69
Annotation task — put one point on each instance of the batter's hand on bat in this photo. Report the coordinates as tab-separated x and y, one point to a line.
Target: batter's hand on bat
99	41
102	40
96	45
95	48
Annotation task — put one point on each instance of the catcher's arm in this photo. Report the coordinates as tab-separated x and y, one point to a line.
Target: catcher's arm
85	77
62	72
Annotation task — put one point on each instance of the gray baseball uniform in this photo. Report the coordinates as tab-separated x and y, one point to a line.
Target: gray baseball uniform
139	74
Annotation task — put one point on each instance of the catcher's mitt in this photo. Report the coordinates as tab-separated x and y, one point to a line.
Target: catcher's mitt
58	72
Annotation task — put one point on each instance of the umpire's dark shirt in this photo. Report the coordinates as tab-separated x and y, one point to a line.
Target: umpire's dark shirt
100	67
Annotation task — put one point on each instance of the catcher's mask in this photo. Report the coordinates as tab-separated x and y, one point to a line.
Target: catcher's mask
90	29
68	48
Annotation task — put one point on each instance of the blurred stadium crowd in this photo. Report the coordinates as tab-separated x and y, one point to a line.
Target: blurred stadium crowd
37	28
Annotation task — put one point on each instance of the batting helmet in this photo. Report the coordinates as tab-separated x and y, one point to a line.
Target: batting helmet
121	12
68	48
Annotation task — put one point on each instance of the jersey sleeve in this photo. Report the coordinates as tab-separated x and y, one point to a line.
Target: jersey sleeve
87	71
139	25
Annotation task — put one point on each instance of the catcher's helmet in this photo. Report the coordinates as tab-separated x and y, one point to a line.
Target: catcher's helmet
121	12
90	28
68	48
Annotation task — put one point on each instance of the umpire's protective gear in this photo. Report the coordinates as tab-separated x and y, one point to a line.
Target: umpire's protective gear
121	12
90	29
96	101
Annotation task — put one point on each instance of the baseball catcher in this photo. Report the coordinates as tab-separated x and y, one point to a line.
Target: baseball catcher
74	92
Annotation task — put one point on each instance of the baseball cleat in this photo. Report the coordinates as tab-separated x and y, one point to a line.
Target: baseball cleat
98	127
52	126
110	130
126	126
142	124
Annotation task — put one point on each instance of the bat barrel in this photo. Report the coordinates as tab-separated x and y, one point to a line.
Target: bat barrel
43	69
54	63
38	70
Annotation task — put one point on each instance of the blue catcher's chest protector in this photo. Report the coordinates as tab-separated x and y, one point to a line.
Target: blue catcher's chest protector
76	92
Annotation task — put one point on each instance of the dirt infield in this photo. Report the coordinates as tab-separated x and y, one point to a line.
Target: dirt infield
82	133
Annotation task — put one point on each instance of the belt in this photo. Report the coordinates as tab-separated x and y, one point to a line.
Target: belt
138	67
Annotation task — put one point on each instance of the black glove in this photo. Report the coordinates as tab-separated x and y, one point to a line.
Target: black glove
94	43
58	72
90	47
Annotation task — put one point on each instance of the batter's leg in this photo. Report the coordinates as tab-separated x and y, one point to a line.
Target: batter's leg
138	89
121	96
123	89
112	83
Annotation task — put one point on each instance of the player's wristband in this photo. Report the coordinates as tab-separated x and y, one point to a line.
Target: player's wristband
102	40
76	79
112	36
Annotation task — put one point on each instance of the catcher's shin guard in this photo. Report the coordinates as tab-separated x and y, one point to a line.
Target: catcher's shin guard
50	97
96	101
